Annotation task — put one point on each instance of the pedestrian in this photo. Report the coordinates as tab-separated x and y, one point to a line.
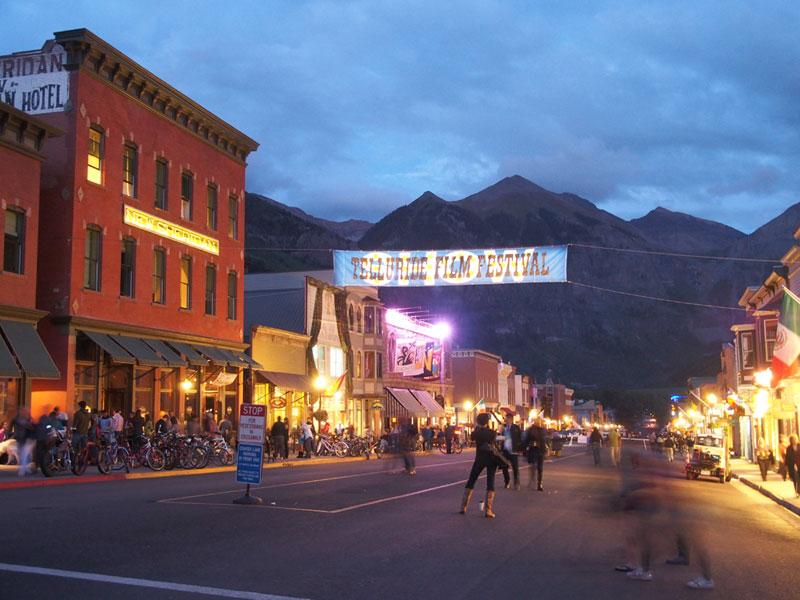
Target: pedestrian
107	428
26	439
669	448
408	443
512	444
427	437
137	430
162	426
484	459
225	429
535	445
782	447
278	434
307	439
81	421
174	426
762	458
793	463
449	430
596	441
118	424
615	446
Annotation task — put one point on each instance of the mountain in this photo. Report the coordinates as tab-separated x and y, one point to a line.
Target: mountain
680	232
352	229
277	239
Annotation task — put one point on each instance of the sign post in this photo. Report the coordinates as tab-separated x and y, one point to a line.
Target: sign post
250	449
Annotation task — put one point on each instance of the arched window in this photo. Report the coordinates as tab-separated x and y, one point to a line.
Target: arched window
350	318
358	364
358	317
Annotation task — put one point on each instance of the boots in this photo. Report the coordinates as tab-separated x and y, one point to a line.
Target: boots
465	500
489	505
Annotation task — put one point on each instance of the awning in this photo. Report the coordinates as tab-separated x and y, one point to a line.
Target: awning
193	356
507	410
215	354
32	355
286	381
249	360
8	367
234	359
426	399
143	353
114	350
408	401
172	357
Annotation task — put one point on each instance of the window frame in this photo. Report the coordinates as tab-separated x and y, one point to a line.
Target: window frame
751	353
96	150
211	268
129	273
159	292
233	299
18	241
130	170
185	287
93	265
369	320
769	344
233	217
161	200
212	208
187	195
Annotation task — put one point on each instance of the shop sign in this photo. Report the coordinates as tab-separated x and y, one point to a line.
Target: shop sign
35	82
167	229
412	268
250	438
222	378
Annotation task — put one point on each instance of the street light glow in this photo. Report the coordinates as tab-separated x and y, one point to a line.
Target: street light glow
763	378
467	405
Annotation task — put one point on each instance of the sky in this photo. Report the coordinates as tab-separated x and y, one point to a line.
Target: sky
360	107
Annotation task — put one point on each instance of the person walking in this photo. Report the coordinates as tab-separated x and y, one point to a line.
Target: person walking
278	435
536	446
596	441
24	433
669	447
484	459
118	424
449	430
308	439
615	446
408	442
762	458
793	463
80	424
512	443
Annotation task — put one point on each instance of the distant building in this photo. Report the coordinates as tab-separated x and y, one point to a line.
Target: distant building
475	382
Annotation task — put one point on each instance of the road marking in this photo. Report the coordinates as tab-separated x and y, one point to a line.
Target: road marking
145	583
305	482
400	497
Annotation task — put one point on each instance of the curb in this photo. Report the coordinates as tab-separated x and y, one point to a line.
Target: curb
765	492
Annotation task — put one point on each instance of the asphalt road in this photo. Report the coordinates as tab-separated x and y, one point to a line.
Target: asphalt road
358	531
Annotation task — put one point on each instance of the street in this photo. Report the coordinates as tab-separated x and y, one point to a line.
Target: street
357	530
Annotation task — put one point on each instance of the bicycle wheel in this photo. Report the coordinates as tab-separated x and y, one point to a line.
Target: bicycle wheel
121	460
443	448
154	459
458	448
48	466
340	449
80	462
201	458
104	461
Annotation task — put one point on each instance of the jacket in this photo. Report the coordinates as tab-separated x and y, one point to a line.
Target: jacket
81	421
535	440
278	429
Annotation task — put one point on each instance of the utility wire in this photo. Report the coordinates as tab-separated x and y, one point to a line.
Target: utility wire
678	254
656	298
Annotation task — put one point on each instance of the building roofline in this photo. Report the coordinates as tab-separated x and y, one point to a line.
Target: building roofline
87	51
16	126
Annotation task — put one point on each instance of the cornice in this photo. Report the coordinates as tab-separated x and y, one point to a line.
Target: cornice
20	313
92	55
23	133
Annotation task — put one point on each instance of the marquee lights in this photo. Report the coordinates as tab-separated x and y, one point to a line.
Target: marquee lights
172	231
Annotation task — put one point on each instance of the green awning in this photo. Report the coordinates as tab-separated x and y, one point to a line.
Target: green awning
8	366
114	350
143	353
215	354
172	357
26	344
190	354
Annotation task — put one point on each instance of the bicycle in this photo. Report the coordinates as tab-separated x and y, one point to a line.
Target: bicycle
58	455
327	446
456	447
113	457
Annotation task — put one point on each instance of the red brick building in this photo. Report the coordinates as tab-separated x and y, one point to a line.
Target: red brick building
142	262
475	380
23	357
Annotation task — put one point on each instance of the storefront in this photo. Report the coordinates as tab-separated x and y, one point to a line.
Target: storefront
286	395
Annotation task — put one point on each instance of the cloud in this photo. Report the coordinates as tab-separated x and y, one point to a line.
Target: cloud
361	106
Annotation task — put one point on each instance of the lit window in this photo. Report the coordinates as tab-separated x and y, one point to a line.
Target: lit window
369	319
747	350
369	365
770	333
161	183
336	362
92	258
159	276
94	171
211	290
358	364
127	274
187	195
130	168
14	242
233	218
211	207
186	282
232	285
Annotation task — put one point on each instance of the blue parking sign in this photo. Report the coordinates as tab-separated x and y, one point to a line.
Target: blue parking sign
249	460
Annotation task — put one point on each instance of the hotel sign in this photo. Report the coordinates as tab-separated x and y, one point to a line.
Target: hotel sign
411	268
35	82
172	231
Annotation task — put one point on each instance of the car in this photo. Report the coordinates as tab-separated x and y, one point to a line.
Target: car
709	454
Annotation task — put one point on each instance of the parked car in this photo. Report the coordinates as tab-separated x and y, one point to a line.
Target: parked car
709	455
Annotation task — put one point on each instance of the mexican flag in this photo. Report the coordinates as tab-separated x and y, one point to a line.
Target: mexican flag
787	338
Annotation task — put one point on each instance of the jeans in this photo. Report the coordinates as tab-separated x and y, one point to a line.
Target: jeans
25	452
536	461
278	444
514	460
763	466
482	462
409	461
596	454
449	444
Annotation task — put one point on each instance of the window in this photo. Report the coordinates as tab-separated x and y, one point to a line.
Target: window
378	365
211	290
211	207
379	321
358	364
770	333
232	284
358	319
318	352
369	319
159	276
94	170
161	183
369	365
186	282
336	362
127	271
14	242
746	350
187	195
233	218
350	318
130	170
92	258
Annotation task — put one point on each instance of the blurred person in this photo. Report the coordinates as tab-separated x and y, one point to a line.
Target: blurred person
118	424
3	430
137	430
307	439
449	430
762	458
408	443
25	436
225	428
209	422
615	446
535	446
278	434
512	444
81	421
782	447
106	424
596	441
793	463
484	459
174	426
669	448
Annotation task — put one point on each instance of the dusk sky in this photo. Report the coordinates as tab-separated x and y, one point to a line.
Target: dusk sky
362	106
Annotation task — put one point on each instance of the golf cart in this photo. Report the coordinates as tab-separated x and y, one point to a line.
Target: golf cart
709	455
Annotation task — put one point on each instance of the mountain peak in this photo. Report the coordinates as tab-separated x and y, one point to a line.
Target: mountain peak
427	198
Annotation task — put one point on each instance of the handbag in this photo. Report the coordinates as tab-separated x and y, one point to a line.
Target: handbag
500	461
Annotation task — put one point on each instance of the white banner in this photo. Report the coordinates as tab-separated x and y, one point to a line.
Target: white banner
35	82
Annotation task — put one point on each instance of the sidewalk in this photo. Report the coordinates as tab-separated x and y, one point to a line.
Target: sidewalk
773	488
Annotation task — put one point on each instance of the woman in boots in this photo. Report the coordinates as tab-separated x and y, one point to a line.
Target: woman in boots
484	459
